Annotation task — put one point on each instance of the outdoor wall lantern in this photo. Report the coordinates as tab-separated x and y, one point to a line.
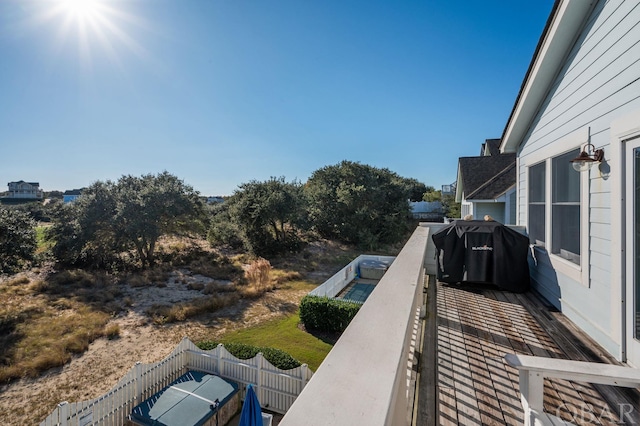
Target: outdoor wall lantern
587	158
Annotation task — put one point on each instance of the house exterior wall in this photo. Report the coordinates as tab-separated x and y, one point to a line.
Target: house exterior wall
598	83
24	190
493	209
466	208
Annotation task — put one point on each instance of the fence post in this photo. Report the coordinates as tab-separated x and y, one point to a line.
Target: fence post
138	378
219	368
63	413
304	371
259	359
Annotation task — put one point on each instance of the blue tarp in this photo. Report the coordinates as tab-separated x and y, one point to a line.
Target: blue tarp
189	400
251	413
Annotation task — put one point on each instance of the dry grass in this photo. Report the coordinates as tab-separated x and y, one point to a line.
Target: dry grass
279	276
38	337
112	331
45	321
147	278
258	280
162	314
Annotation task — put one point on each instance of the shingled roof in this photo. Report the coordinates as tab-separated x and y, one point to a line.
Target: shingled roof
491	147
487	177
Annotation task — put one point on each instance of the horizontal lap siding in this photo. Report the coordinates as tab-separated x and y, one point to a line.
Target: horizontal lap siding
599	82
495	210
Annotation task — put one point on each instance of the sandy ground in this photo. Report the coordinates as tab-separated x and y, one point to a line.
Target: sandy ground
92	374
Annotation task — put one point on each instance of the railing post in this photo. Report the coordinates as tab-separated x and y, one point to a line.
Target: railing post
532	393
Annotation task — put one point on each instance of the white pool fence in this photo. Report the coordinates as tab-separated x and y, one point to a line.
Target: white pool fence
335	284
276	389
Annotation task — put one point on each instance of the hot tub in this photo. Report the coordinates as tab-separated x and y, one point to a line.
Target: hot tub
190	400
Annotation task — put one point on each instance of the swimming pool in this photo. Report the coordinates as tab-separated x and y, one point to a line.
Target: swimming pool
359	292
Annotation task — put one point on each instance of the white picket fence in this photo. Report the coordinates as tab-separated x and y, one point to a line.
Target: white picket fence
276	389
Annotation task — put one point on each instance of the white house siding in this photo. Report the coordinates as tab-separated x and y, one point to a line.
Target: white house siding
599	82
491	208
466	208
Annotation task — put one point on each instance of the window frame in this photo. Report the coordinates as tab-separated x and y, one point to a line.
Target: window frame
546	154
543	202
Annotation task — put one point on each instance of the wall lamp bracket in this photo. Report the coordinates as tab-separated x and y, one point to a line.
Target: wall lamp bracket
587	158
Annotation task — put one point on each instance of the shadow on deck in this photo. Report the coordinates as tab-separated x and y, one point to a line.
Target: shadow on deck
465	380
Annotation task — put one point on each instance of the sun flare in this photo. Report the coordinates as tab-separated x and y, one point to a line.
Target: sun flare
96	28
82	9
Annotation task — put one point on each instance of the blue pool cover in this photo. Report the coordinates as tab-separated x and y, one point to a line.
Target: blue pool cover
186	401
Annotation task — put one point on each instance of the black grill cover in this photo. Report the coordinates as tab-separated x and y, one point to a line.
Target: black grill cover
479	251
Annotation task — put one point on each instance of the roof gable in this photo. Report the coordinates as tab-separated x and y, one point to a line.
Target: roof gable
487	177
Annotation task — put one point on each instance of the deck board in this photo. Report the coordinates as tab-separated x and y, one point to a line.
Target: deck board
476	327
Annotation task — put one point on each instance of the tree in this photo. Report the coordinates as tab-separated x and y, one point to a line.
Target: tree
268	214
432	195
359	204
222	229
452	208
131	214
150	207
83	232
17	239
415	189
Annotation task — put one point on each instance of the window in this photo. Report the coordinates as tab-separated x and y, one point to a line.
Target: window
565	208
537	179
554	193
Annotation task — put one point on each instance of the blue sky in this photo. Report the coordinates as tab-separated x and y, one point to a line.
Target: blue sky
221	92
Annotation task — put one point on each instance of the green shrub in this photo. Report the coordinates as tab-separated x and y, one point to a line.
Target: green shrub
278	358
327	314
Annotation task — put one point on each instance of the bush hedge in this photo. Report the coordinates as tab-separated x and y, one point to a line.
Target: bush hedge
277	357
327	314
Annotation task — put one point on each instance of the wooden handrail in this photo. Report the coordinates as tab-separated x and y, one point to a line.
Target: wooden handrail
533	370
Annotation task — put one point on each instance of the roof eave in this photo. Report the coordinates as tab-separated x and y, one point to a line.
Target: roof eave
560	33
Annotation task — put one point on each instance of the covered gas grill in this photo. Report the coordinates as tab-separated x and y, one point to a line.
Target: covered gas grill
476	251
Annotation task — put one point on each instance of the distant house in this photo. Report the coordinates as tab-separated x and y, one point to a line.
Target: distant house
486	184
71	195
24	190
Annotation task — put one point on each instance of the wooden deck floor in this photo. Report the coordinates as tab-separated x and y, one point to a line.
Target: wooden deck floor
477	326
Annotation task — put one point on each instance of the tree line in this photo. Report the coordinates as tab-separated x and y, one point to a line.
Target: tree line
115	224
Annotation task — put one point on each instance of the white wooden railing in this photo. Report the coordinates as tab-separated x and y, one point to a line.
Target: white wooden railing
533	370
364	379
276	389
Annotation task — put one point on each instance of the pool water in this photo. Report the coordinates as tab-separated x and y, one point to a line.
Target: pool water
359	292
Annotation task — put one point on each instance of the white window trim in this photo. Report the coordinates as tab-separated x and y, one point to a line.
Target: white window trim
575	140
624	128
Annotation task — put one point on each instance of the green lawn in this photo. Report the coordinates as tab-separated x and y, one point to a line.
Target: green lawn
285	335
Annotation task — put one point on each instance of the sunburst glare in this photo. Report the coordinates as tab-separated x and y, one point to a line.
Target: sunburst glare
83	9
93	26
